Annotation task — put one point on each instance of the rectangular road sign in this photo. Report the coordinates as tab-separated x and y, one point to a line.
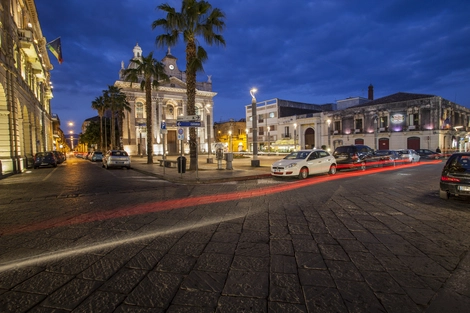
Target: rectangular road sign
189	118
188	124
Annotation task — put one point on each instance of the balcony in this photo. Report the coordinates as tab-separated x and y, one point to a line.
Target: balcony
413	127
28	46
358	130
286	136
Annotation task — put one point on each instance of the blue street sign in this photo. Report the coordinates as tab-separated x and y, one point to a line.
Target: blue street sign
188	124
163	125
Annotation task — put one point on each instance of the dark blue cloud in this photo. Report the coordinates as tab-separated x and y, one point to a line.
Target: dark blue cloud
313	51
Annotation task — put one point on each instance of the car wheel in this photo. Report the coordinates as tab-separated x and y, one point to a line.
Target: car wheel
443	194
54	165
303	173
332	170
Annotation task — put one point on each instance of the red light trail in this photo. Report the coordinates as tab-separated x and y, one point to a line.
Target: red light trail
194	201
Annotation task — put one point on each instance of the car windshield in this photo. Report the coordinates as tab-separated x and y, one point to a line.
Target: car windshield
119	153
297	155
460	164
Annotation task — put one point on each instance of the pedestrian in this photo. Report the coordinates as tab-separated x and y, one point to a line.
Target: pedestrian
438	150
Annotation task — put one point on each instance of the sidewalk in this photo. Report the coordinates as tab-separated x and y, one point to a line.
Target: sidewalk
207	172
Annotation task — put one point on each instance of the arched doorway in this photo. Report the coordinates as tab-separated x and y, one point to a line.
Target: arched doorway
309	138
384	143
413	143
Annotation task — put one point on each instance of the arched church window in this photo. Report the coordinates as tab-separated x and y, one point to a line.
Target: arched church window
139	110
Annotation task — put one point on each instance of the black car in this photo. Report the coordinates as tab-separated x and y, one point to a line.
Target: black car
356	156
455	177
428	154
389	157
45	159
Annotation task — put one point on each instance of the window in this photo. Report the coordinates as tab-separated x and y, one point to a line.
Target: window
261	131
271	114
383	122
413	119
337	126
286	131
139	110
358	123
260	118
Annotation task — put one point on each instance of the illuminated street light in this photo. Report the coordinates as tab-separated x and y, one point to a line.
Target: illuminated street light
295	136
329	133
254	118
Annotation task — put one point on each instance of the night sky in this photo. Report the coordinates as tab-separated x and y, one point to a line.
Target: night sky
308	51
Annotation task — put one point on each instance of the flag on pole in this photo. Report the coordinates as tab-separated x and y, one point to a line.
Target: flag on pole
56	48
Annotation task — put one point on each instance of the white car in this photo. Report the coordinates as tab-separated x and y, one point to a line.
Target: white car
409	155
305	162
116	158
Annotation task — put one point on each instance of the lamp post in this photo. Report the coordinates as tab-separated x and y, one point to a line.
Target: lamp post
295	136
71	139
208	116
328	121
254	117
269	148
230	149
375	132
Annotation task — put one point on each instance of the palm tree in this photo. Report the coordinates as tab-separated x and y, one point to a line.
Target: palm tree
99	105
120	108
196	19
114	99
149	72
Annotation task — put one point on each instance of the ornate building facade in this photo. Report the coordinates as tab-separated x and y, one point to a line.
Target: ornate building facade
25	90
168	102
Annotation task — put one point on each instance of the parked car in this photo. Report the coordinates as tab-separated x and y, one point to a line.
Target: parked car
455	177
303	163
409	155
356	156
97	156
47	158
117	158
428	154
60	157
389	157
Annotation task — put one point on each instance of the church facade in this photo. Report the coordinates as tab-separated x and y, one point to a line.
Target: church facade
169	101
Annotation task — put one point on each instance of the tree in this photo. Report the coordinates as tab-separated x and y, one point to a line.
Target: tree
114	99
91	135
149	72
196	19
99	105
120	108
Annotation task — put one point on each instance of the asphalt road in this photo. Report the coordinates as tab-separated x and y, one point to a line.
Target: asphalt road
78	238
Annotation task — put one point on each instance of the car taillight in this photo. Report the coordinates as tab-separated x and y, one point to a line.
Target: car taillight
450	179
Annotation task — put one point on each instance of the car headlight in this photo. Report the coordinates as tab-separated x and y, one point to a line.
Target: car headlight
291	165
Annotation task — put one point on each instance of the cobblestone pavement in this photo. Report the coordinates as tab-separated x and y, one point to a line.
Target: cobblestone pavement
373	241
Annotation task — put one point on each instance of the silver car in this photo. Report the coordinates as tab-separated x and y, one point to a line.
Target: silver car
409	155
117	158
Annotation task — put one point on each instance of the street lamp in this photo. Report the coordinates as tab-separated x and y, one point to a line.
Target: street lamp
295	136
230	141
209	148
328	121
254	118
269	148
71	138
